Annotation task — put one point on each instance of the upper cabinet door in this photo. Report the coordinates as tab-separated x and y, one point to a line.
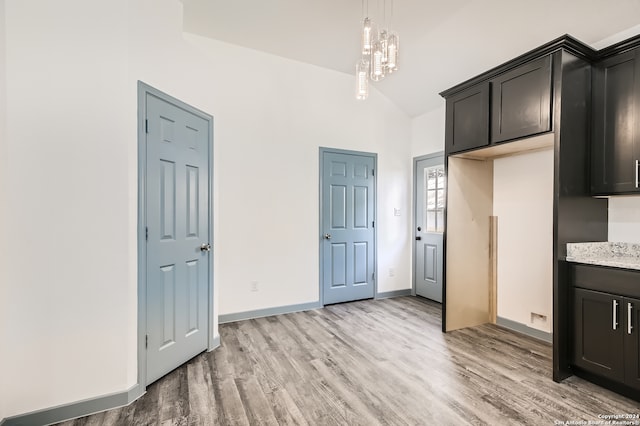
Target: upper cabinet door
616	118
521	101
467	121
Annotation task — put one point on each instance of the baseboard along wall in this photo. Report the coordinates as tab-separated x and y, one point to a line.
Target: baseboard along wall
74	410
525	329
267	312
394	293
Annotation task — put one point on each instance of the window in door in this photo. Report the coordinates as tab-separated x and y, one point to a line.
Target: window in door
434	184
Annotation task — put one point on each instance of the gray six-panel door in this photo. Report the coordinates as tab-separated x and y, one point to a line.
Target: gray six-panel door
177	206
348	202
429	221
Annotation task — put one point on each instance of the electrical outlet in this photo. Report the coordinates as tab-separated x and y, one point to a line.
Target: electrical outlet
538	318
253	286
392	272
396	212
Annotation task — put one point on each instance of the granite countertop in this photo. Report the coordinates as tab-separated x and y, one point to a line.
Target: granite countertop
619	255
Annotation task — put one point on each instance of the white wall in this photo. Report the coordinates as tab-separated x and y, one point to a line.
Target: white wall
427	132
523	202
72	69
268	227
67	174
624	219
3	204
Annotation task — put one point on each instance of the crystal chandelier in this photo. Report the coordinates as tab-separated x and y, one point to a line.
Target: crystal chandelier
379	56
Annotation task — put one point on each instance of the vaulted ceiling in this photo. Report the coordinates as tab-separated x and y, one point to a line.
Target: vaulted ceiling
442	42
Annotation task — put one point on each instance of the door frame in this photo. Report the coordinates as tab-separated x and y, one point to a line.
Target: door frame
414	221
374	156
144	90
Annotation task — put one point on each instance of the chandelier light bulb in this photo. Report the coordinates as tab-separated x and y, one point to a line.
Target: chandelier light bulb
393	47
377	65
362	80
384	46
368	31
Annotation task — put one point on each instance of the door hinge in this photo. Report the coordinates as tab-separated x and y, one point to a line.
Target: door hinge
146	126
146	233
373	223
373	276
373	172
146	341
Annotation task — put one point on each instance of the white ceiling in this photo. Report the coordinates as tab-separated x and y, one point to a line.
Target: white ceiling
442	42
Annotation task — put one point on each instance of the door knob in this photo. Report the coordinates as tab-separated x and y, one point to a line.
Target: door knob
327	236
205	247
419	229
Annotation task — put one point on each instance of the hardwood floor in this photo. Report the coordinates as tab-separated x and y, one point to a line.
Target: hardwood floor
374	362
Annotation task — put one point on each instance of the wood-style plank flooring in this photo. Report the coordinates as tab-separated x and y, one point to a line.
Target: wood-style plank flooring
374	362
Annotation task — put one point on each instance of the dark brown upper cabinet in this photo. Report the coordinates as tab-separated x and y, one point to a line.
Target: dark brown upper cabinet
467	119
521	101
615	147
514	104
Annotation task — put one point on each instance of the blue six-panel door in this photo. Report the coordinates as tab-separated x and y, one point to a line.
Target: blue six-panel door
177	206
347	227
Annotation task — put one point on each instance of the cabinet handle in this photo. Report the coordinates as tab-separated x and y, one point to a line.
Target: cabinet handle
629	326
637	183
615	314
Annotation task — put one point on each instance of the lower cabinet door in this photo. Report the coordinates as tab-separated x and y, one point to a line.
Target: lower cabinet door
631	310
599	333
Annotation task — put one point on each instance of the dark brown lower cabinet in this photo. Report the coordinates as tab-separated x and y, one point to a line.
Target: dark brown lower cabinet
632	344
607	336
